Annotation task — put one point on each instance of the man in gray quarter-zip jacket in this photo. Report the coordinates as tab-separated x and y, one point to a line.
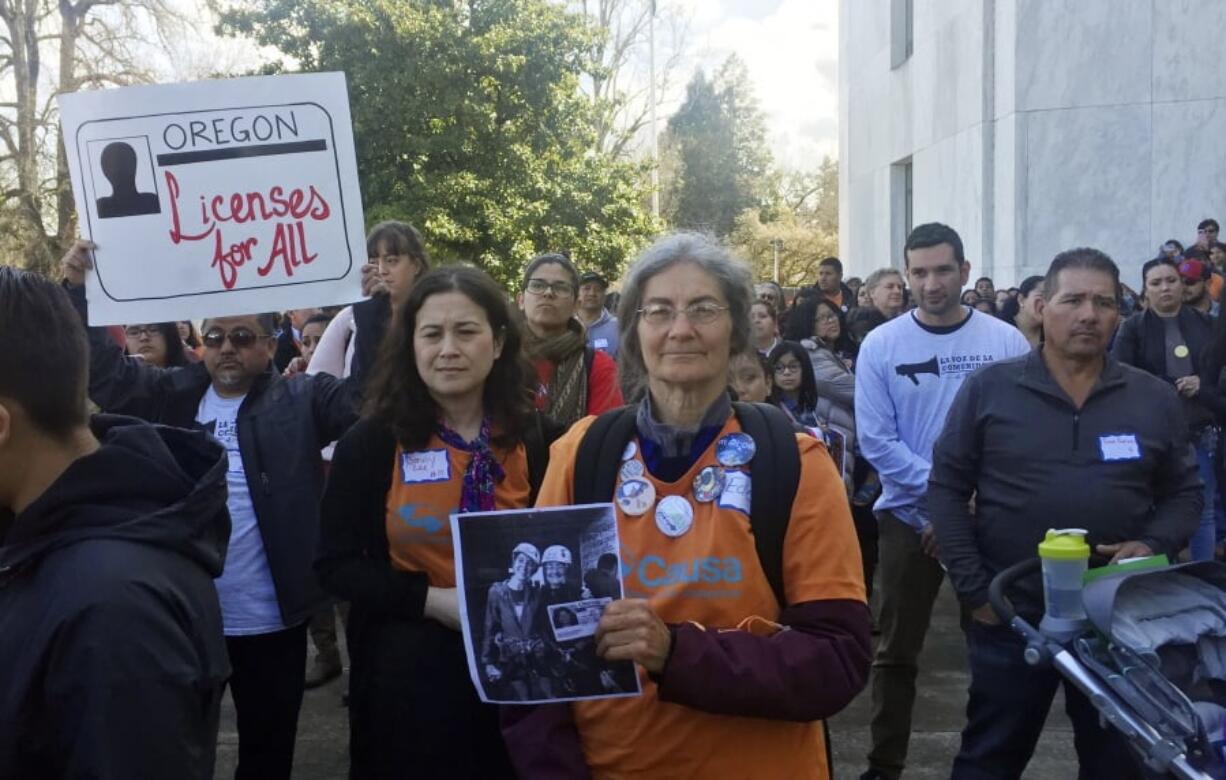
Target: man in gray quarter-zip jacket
1062	437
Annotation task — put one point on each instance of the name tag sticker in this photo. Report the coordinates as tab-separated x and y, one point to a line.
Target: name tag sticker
1120	446
600	343
425	466
737	492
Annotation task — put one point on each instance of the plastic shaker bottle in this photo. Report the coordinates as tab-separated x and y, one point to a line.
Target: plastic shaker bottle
1065	557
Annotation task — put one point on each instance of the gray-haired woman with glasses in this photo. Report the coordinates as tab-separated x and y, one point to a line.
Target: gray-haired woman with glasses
735	678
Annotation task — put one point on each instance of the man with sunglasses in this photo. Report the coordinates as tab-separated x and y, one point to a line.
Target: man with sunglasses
273	431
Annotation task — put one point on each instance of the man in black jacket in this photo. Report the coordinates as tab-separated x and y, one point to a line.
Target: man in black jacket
112	659
1062	437
273	430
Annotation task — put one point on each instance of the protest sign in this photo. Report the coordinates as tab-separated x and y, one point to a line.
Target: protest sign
532	585
214	198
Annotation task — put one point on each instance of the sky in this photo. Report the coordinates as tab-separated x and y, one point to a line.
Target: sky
789	46
791	50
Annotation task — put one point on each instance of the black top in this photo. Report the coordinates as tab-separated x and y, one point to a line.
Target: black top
282	426
1121	467
113	660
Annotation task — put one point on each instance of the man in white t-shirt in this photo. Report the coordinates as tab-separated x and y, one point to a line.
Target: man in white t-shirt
907	374
273	430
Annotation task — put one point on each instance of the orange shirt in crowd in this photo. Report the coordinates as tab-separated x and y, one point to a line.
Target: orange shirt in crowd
419	512
835	298
1215	286
711	575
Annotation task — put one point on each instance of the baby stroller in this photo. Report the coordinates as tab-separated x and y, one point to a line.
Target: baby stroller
1151	659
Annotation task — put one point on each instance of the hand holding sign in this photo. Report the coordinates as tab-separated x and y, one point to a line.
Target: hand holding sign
75	264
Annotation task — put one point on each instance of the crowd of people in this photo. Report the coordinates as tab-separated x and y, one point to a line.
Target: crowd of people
776	459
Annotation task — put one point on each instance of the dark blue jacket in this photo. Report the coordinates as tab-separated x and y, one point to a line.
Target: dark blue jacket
112	659
282	426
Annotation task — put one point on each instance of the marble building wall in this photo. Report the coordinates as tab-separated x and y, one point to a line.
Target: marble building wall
1033	126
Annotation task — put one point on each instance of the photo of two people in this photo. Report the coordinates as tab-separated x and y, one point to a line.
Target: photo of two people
533	584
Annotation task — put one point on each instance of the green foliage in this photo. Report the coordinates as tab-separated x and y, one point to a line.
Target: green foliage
469	122
717	164
802	217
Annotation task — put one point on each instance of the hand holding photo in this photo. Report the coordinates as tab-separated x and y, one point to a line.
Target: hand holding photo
533	585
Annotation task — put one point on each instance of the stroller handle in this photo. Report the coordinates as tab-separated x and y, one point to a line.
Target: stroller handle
1003	581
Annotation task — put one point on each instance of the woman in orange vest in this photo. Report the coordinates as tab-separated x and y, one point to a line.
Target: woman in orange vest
735	683
449	426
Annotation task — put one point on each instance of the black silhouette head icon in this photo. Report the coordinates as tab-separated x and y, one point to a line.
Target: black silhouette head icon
119	164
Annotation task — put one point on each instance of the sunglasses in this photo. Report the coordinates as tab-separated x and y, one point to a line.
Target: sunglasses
241	338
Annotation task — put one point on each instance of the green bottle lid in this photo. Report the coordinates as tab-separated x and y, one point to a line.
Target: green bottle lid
1065	544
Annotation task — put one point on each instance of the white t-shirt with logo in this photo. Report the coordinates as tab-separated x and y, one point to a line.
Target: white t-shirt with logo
245	588
907	375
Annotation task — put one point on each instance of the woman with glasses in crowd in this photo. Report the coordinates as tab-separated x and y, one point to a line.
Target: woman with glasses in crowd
396	257
573	379
158	344
449	426
792	387
734	682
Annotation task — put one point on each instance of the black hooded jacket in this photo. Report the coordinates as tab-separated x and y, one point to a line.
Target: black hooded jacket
112	659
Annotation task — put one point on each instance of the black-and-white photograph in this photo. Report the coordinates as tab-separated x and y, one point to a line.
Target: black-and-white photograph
533	584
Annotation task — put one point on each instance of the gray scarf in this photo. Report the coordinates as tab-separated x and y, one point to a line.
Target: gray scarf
673	441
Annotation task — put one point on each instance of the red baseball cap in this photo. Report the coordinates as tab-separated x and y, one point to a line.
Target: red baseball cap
1194	271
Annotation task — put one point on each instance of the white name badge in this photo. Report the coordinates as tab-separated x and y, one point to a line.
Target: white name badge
737	492
600	343
1121	446
425	466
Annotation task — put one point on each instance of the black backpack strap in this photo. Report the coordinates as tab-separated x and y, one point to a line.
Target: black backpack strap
774	475
541	432
600	455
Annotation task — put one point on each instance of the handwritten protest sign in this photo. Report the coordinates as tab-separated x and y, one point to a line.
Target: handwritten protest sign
216	198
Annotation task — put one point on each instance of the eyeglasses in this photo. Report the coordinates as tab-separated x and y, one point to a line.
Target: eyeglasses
135	332
787	368
241	338
660	314
826	318
540	287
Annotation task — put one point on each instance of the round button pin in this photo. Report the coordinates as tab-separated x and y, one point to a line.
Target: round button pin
635	496
674	516
631	469
631	450
1181	351
708	484
735	449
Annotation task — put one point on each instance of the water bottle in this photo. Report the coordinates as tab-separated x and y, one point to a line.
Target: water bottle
1065	557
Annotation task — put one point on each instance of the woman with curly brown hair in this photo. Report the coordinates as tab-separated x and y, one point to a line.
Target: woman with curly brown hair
449	426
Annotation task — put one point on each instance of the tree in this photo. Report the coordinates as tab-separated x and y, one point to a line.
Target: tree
469	122
717	164
92	43
618	81
803	218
